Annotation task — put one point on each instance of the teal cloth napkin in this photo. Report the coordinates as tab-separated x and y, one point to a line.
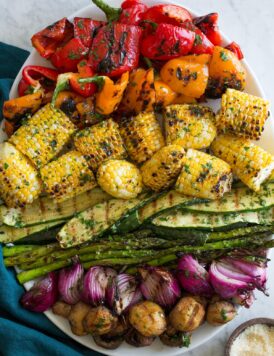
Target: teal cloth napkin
23	332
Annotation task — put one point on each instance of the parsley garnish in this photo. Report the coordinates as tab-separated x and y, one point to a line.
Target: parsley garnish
186	168
223	315
224	56
185	340
198	40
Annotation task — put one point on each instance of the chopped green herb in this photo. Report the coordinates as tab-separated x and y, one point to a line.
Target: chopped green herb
223	315
224	56
198	40
80	24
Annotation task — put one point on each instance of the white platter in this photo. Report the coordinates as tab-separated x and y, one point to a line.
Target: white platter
206	332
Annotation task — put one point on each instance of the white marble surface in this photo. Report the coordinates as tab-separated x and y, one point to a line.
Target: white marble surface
248	22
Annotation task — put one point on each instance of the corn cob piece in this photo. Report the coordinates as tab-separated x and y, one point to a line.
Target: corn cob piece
161	170
204	176
191	126
43	136
249	162
142	136
67	176
120	178
100	142
242	114
19	180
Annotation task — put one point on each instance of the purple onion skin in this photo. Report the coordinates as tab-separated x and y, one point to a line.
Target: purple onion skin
159	285
234	273
70	283
123	293
96	281
232	277
42	295
225	286
254	270
193	277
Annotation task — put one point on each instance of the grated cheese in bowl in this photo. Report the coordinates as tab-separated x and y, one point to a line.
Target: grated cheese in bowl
256	340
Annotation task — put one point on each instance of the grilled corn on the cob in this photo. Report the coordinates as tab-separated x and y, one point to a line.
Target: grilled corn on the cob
120	179
191	126
249	162
19	180
242	114
142	136
204	176
100	142
43	136
67	176
161	170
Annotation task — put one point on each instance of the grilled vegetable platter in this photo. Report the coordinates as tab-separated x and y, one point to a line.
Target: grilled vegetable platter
138	211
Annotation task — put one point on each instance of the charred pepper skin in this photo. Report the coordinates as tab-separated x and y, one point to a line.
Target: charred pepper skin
202	44
66	58
50	38
236	49
167	42
208	24
115	49
168	14
85	29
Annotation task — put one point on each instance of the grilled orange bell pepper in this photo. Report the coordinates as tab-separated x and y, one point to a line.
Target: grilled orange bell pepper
164	94
140	93
108	99
225	71
15	109
187	75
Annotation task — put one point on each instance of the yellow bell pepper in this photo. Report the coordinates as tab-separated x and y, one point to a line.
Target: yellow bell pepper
187	75
109	98
140	93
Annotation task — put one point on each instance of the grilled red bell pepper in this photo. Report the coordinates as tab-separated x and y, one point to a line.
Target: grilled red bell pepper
84	71
167	42
64	83
66	58
35	77
130	13
235	48
115	49
208	24
85	28
49	39
201	45
164	13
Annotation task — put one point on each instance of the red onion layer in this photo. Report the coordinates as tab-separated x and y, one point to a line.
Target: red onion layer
96	282
42	295
123	293
193	277
70	283
159	285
